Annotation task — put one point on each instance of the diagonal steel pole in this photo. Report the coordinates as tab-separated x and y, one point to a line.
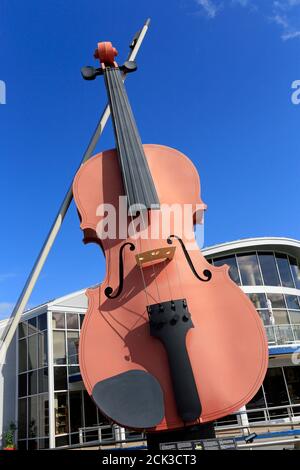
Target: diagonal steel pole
9	331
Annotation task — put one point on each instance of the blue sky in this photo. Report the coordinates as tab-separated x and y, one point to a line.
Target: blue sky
214	81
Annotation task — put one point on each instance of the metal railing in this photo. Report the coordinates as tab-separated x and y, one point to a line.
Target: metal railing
283	334
262	421
272	420
105	434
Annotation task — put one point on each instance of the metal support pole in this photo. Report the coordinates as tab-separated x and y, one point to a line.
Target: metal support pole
9	331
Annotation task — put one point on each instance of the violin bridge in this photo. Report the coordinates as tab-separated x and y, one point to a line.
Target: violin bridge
158	254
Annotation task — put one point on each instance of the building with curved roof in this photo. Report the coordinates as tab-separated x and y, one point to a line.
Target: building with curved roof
267	270
47	397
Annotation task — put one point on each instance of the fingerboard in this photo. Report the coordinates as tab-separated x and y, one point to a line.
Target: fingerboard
138	182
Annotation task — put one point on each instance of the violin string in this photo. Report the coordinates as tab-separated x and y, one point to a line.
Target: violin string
167	276
111	75
178	275
129	143
153	265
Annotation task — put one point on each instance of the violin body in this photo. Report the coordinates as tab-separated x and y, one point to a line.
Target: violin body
125	368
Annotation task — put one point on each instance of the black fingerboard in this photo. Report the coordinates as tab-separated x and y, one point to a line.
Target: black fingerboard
138	182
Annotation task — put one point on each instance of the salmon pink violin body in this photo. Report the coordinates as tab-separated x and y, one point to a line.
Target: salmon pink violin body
169	340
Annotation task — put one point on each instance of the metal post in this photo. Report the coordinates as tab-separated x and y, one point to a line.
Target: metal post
9	331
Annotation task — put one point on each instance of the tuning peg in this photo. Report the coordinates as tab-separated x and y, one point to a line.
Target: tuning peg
90	73
128	66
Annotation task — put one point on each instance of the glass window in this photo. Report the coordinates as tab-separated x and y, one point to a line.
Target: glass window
32	321
43	415
61	413
73	370
23	385
292	377
233	269
23	329
295	316
72	340
75	438
22	422
43	443
281	317
284	334
22	445
275	390
32	326
102	419
76	420
292	302
270	330
60	378
269	269
296	329
61	441
32	416
58	320
59	347
42	322
81	317
43	348
277	300
23	355
90	411
32	383
32	352
249	269
258	300
265	316
284	270
72	321
32	444
295	271
258	401
43	380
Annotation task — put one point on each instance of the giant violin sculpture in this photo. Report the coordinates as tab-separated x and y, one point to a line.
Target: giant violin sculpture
168	339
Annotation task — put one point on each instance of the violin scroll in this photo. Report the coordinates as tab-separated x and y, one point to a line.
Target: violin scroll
106	53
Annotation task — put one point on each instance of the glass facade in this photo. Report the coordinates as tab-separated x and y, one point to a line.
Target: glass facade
262	268
73	409
280	313
33	394
249	269
281	387
60	412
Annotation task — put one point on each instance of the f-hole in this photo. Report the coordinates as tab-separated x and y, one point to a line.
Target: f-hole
109	290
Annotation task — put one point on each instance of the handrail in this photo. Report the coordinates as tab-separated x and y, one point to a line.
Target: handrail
268	443
254	425
279	333
114	439
269	408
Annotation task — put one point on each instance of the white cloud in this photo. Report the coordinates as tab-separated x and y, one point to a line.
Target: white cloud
280	12
290	35
243	3
284	16
209	7
280	20
285	4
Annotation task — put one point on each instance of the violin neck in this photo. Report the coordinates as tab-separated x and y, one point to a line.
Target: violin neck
138	183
